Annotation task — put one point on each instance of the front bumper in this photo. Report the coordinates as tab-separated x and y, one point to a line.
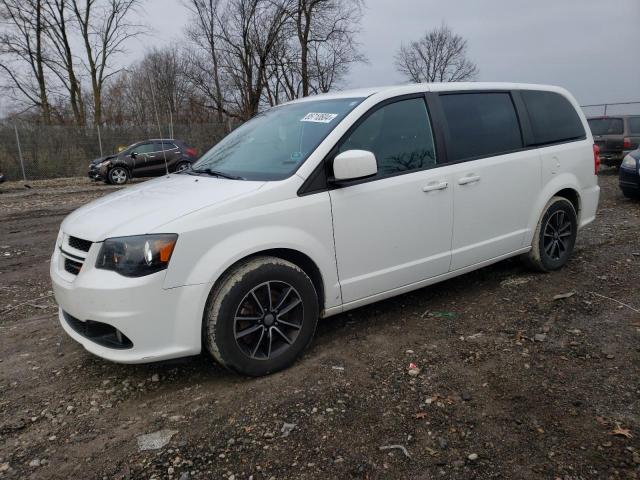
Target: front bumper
629	179
94	173
159	323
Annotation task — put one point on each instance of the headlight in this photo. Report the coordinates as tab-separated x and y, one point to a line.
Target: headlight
629	162
137	256
106	163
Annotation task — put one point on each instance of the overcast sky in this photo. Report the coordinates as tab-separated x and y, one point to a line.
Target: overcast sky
591	47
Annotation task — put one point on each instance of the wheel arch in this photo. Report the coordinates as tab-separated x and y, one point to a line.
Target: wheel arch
573	196
301	260
565	186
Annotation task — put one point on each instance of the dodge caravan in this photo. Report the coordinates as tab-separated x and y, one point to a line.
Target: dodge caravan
319	206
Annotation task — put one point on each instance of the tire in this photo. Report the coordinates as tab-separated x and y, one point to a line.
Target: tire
555	236
243	333
118	175
632	194
182	166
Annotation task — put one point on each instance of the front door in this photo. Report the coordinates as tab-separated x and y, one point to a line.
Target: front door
394	229
140	158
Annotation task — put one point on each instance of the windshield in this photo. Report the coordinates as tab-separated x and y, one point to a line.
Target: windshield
606	126
273	144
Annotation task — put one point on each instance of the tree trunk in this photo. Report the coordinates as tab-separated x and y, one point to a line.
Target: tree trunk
42	87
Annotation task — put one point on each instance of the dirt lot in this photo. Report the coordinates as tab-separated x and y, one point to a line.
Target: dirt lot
513	384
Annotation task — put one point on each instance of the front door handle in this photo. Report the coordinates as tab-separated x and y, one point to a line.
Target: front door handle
435	186
469	179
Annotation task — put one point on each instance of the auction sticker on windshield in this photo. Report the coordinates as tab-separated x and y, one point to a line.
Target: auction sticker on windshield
319	117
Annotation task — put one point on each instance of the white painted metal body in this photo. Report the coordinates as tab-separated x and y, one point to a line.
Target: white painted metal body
370	241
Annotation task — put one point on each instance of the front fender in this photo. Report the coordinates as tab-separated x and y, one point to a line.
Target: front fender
303	224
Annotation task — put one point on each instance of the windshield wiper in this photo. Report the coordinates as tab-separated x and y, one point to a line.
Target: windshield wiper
216	173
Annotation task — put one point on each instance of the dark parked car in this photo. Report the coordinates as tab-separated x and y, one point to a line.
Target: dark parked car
616	136
630	175
143	159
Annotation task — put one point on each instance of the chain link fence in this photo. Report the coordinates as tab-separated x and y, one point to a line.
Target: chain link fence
30	151
619	108
35	152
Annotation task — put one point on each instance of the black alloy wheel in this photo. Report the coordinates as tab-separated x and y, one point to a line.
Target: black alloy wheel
261	316
268	320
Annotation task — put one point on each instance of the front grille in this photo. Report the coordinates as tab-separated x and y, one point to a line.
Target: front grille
79	244
72	266
101	333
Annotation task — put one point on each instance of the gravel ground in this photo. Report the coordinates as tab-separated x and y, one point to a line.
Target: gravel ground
510	382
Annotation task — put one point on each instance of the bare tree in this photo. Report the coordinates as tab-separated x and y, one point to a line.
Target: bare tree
316	49
128	99
250	31
62	61
324	28
439	56
104	27
22	53
204	60
242	55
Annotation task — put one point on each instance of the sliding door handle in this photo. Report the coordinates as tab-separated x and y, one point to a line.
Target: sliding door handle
469	179
435	186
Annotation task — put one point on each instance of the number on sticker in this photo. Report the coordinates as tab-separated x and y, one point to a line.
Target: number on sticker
319	117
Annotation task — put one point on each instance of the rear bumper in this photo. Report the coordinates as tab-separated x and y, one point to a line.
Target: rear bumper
589	205
611	158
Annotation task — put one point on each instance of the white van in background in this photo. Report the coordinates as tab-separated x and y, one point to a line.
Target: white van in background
319	206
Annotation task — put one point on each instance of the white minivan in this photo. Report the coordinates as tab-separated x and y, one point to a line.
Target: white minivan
319	206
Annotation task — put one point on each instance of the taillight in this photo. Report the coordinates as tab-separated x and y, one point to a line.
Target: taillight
626	143
596	159
192	152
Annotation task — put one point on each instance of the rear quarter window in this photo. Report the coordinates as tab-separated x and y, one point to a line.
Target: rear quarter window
553	118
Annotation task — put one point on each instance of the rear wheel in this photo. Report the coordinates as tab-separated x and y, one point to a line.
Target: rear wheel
261	316
555	236
118	175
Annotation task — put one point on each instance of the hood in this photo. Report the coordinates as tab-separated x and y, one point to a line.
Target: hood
142	208
98	160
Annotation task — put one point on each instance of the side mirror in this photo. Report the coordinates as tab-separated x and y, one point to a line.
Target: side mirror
134	154
354	164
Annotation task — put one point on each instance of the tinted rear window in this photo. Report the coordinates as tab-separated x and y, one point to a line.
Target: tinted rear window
480	124
553	118
634	125
606	126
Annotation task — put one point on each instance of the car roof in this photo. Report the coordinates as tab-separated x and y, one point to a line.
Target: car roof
428	87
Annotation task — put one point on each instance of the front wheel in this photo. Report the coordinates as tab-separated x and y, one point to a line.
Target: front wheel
555	236
261	316
118	175
182	166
